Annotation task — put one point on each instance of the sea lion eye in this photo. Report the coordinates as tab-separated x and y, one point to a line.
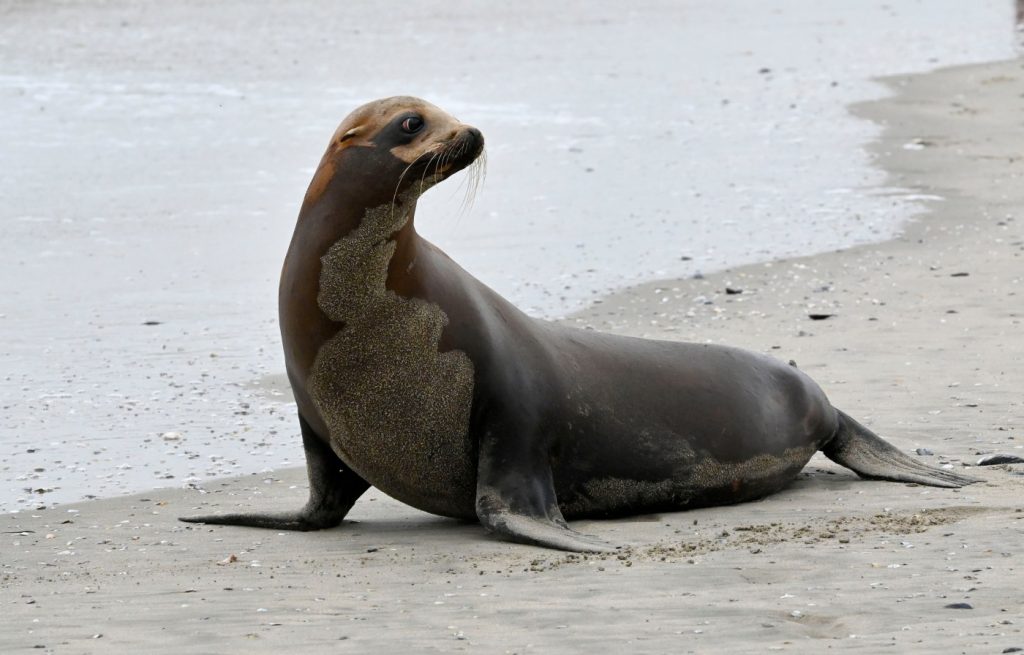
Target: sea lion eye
412	125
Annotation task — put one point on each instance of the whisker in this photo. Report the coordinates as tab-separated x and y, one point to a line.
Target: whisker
441	161
438	157
474	181
433	159
394	196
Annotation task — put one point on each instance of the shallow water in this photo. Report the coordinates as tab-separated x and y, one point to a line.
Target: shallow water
154	156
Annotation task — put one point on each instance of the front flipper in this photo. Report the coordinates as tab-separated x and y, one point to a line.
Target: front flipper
333	490
545	531
515	497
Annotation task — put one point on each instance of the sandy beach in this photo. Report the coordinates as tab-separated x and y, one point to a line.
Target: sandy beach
141	346
922	342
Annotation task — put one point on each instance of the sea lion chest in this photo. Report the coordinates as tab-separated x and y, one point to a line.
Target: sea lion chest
397	409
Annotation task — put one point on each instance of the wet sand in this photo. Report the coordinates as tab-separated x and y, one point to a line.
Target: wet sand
922	342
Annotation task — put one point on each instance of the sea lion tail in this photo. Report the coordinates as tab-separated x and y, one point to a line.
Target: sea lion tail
858	448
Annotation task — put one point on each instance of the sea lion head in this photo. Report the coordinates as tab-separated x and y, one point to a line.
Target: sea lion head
390	146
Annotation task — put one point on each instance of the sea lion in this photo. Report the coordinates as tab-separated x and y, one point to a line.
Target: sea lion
412	376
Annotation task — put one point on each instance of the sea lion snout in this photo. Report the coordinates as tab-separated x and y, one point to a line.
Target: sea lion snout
461	150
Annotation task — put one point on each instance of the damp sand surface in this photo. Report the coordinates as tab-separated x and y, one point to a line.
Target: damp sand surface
154	157
921	340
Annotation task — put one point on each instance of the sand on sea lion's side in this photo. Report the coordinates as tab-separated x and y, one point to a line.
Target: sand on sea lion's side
923	343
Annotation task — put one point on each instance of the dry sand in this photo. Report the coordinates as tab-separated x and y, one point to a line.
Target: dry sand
924	344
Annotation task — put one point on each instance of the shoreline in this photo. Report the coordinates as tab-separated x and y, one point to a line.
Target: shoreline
924	354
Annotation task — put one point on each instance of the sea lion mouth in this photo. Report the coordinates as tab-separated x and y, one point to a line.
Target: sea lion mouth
453	155
467	146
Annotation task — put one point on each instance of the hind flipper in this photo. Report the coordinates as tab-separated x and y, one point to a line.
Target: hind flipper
858	448
333	490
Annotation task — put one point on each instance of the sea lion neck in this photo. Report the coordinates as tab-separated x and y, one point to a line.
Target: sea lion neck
343	211
341	195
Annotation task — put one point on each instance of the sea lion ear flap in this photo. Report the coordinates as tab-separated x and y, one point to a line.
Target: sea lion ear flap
355	131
